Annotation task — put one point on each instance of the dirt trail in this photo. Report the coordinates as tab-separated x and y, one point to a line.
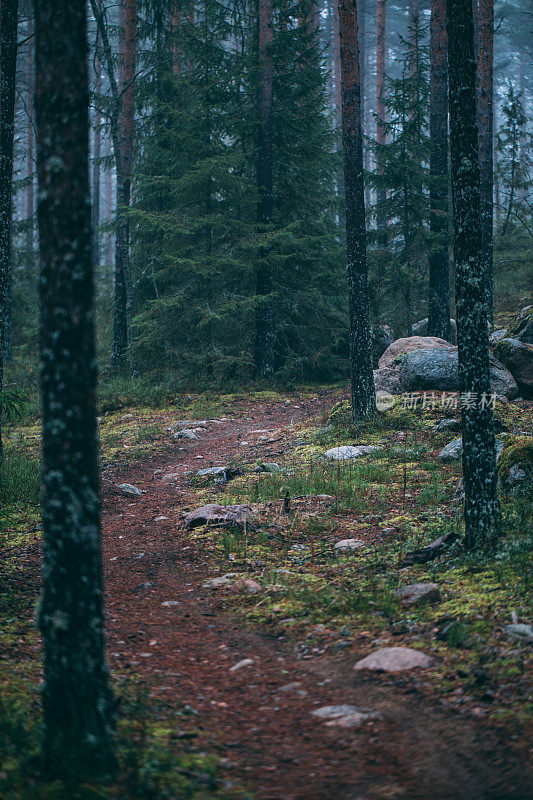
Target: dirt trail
264	731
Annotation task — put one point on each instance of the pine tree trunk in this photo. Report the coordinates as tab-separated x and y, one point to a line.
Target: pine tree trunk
123	289
97	154
362	376
30	158
479	457
381	67
439	272
8	67
265	334
485	56
337	62
77	700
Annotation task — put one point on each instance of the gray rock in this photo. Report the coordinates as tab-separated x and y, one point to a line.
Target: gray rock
348	452
522	327
349	545
170	477
245	662
427	363
495	337
211	471
518	474
416	594
421	329
394	659
345	715
519	632
448	425
409	344
268	466
216	583
453	451
387	379
213	514
129	490
185	433
437	369
517	356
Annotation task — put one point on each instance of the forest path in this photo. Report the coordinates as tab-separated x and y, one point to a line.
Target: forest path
263	730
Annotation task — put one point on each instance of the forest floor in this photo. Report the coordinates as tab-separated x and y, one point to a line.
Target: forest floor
457	729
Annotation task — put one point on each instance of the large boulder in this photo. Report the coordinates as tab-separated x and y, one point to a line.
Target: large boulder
437	369
399	347
517	356
421	329
387	380
522	327
427	363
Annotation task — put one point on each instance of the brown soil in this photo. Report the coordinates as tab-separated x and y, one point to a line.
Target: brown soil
269	741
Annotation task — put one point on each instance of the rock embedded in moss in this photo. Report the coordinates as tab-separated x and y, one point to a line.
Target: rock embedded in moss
349	452
522	327
517	356
394	659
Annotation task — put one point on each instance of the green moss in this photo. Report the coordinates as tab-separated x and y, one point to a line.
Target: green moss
341	416
521	452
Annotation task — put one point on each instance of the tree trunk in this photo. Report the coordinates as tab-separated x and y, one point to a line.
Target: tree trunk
485	56
439	273
8	68
97	154
265	335
30	158
337	63
123	290
362	376
479	456
77	700
381	67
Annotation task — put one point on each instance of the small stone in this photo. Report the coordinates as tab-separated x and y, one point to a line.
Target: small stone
519	632
269	466
167	603
349	452
246	586
212	471
416	594
246	662
345	716
160	518
185	433
129	490
394	659
348	545
454	450
171	476
216	583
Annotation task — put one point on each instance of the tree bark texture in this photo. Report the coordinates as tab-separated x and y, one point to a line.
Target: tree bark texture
265	334
485	58
439	272
479	458
362	376
381	67
77	700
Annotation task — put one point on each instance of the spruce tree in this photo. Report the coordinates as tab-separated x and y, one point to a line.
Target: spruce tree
403	175
515	162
